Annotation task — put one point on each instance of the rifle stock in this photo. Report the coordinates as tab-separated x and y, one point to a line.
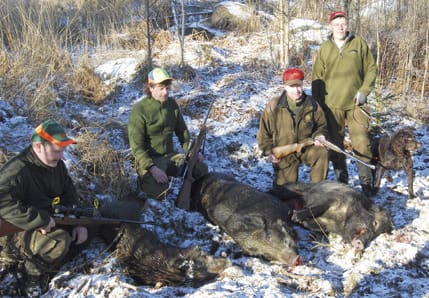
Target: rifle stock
185	192
6	228
283	151
70	216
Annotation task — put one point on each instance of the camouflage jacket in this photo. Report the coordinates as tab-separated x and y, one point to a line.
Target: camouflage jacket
27	188
151	127
277	126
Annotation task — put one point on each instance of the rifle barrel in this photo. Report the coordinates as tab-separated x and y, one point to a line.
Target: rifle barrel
339	150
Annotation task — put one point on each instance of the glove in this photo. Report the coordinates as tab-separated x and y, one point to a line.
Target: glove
360	98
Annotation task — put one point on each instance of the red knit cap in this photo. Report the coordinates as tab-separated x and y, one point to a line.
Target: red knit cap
337	14
293	76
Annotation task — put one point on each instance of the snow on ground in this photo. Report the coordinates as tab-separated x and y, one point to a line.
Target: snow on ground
240	79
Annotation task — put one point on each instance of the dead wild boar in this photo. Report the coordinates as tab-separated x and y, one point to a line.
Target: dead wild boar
334	207
151	262
258	222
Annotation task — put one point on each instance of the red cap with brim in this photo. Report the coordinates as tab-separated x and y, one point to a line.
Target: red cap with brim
52	132
337	14
293	76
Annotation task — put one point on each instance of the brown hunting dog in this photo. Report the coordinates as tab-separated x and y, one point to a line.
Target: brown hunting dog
394	152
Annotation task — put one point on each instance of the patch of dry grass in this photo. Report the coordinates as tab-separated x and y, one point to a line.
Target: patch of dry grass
38	41
102	165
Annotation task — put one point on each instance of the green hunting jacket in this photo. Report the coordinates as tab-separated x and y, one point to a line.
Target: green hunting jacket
277	126
151	127
27	188
338	74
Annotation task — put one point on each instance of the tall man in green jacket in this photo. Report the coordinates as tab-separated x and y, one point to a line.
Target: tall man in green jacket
30	184
151	126
344	74
289	129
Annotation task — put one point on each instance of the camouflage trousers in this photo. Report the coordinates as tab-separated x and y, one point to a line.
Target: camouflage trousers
316	157
39	253
172	165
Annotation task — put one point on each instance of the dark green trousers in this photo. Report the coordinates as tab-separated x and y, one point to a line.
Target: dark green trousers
172	164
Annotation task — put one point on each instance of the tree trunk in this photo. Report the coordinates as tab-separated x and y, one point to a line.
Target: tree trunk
357	17
284	38
149	45
180	29
378	43
425	74
411	49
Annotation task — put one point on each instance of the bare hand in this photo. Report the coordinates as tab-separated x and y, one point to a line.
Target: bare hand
45	230
274	159
159	175
318	141
79	234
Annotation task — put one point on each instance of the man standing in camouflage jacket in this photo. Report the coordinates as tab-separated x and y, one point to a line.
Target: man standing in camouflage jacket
151	126
343	75
29	183
288	131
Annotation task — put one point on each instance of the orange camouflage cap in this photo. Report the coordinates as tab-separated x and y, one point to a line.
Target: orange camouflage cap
52	132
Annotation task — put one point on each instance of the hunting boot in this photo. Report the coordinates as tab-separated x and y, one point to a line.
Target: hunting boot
340	168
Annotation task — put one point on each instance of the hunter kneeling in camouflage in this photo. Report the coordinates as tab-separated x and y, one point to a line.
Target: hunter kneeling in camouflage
29	183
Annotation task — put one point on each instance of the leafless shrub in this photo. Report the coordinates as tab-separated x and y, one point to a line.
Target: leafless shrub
87	84
162	39
102	165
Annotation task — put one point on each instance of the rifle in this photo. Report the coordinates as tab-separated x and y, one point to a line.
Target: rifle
191	159
335	148
283	151
71	216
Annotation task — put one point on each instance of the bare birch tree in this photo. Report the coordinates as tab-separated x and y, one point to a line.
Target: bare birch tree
378	41
180	28
284	31
425	73
411	49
